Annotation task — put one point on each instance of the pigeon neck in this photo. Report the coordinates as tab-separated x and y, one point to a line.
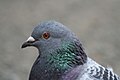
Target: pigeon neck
60	62
64	59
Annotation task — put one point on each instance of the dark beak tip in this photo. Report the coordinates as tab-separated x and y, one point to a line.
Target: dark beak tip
24	45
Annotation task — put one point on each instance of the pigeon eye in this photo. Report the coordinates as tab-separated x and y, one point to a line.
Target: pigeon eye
46	35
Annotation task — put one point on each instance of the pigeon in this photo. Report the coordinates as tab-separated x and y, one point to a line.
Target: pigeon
62	56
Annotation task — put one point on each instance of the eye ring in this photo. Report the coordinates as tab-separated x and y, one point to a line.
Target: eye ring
46	35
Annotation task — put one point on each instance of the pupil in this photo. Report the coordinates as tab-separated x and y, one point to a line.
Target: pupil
46	35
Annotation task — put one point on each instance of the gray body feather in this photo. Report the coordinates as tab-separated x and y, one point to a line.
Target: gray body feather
94	71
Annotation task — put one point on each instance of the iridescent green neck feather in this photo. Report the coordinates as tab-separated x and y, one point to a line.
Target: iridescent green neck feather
68	56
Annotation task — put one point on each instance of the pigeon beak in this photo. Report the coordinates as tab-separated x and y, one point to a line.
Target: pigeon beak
28	42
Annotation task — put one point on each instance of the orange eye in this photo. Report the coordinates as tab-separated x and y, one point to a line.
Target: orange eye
46	35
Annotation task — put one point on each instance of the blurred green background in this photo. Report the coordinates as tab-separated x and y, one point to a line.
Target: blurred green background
96	23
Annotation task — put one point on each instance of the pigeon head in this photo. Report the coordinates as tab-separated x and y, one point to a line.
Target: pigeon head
48	35
59	49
